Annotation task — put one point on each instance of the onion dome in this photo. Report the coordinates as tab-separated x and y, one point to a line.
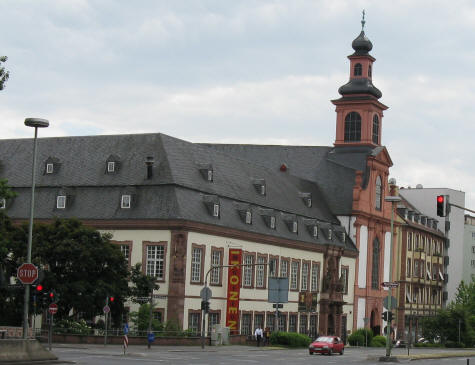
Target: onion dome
360	86
362	45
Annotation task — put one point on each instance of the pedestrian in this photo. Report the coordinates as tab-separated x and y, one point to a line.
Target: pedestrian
258	335
266	336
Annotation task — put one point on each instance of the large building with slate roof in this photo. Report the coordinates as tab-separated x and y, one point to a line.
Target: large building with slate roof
316	215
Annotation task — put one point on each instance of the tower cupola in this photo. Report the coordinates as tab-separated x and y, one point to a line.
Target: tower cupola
359	113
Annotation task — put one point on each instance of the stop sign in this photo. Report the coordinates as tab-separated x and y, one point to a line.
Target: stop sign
53	308
27	273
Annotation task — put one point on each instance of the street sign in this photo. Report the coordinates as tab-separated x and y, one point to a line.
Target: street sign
27	273
388	284
393	303
53	308
106	309
275	306
151	337
159	296
278	291
206	294
126	328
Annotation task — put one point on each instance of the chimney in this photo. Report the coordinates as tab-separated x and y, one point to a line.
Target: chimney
149	162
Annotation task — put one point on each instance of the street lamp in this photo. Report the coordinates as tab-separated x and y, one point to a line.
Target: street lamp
393	200
35	123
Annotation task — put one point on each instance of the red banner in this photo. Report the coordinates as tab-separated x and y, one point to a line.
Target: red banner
234	289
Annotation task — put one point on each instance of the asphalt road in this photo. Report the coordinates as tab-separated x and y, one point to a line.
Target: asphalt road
224	355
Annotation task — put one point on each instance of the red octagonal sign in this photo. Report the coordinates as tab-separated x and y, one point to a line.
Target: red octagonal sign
27	273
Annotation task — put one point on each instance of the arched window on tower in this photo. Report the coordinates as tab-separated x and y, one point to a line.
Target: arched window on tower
352	127
375	268
376	129
370	71
378	195
358	71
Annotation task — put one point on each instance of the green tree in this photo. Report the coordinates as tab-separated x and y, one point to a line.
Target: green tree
141	284
141	319
4	75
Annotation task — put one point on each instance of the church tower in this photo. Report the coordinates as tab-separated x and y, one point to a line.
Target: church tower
359	113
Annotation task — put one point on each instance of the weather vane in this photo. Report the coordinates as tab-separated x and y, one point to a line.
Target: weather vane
363	21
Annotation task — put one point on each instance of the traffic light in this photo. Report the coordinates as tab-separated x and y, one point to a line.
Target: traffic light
39	289
385	316
53	297
205	306
441	205
390	316
111	299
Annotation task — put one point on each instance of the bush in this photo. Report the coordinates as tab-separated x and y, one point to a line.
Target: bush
378	341
454	344
290	339
72	327
360	336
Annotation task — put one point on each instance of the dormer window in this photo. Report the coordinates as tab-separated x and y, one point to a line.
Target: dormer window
52	165
248	217
315	231
307	199
272	222
111	166
3	203
263	190
210	175
358	71
330	233
49	168
343	237
294	227
260	186
215	210
125	202
61	202
206	171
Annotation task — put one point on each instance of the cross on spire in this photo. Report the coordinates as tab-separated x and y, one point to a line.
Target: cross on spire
363	21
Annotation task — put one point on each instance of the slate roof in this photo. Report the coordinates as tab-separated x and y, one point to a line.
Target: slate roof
177	188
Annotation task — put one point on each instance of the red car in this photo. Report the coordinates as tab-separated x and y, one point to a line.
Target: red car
327	345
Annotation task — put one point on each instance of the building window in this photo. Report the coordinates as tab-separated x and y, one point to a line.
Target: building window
263	190
309	202
472	263
210	175
196	264
270	321
313	327
213	319
273	266
258	321
305	276
294	227
293	323
416	268
370	71
375	129
49	168
473	235
246	324
315	231
248	271
194	320
155	264
215	210
272	222
379	191
110	166
282	323
358	70
125	202
408	268
375	267
3	203
315	277
284	268
216	260
473	249
345	271
260	272
294	275
248	217
303	324
125	249
61	202
409	241
353	127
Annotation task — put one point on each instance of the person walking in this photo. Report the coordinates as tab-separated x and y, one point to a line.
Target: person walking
258	335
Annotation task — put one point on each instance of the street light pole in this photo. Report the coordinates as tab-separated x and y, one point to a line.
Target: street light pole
392	200
35	123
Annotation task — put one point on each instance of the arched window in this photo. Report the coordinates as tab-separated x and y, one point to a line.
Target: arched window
379	190
352	127
370	71
358	71
376	129
375	268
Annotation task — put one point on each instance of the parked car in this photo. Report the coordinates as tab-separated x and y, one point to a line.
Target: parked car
327	345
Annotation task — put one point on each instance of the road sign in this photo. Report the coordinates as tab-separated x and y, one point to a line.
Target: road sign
388	284
275	305
53	308
393	303
151	337
27	273
106	309
206	294
126	328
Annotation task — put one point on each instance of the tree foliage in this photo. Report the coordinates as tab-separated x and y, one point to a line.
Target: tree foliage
4	75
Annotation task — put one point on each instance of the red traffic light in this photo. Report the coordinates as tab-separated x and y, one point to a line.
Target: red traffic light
111	299
39	287
440	199
51	295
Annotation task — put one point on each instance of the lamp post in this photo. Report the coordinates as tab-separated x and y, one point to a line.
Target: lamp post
393	200
35	123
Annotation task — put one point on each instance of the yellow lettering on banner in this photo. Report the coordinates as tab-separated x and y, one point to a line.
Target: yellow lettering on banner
232	310
234	279
232	324
233	295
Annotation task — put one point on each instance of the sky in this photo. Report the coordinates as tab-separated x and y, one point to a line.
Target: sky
253	72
